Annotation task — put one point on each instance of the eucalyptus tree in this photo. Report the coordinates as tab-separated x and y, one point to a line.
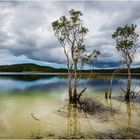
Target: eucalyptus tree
71	33
126	44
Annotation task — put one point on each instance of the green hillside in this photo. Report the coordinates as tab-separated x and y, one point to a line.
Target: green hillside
28	67
25	68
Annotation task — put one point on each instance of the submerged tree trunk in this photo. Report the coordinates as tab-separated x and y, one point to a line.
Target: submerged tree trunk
128	88
75	83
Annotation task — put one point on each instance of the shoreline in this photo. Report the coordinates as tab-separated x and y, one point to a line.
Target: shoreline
49	73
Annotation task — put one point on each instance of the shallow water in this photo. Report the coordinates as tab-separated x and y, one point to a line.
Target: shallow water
35	107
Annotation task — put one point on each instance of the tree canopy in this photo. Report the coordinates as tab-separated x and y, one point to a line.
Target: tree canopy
71	33
126	42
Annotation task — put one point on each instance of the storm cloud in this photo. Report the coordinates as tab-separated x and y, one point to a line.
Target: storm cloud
26	34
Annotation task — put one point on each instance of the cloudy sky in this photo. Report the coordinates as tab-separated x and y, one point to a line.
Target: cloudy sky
26	35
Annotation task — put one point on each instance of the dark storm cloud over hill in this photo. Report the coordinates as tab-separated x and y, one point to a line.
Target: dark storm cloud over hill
26	34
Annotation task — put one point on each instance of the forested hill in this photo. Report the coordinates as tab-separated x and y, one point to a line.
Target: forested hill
37	68
28	68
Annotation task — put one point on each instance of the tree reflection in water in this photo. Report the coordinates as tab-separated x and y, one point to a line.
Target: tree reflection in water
73	125
128	106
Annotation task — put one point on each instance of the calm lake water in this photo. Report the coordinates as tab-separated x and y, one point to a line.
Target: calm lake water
34	106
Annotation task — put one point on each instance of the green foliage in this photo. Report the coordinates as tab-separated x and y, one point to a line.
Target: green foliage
126	38
92	56
70	30
71	33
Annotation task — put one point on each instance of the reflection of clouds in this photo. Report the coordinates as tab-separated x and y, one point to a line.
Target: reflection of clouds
135	84
10	84
56	84
101	84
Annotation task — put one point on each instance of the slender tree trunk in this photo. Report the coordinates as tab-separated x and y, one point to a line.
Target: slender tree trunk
69	88
128	88
69	75
75	83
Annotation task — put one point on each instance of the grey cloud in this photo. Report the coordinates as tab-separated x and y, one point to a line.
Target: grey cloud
25	28
128	15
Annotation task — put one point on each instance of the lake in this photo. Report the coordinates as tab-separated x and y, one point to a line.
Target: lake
35	106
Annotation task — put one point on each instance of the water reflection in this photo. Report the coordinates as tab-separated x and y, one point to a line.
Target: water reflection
73	127
108	102
128	106
48	82
42	96
79	124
